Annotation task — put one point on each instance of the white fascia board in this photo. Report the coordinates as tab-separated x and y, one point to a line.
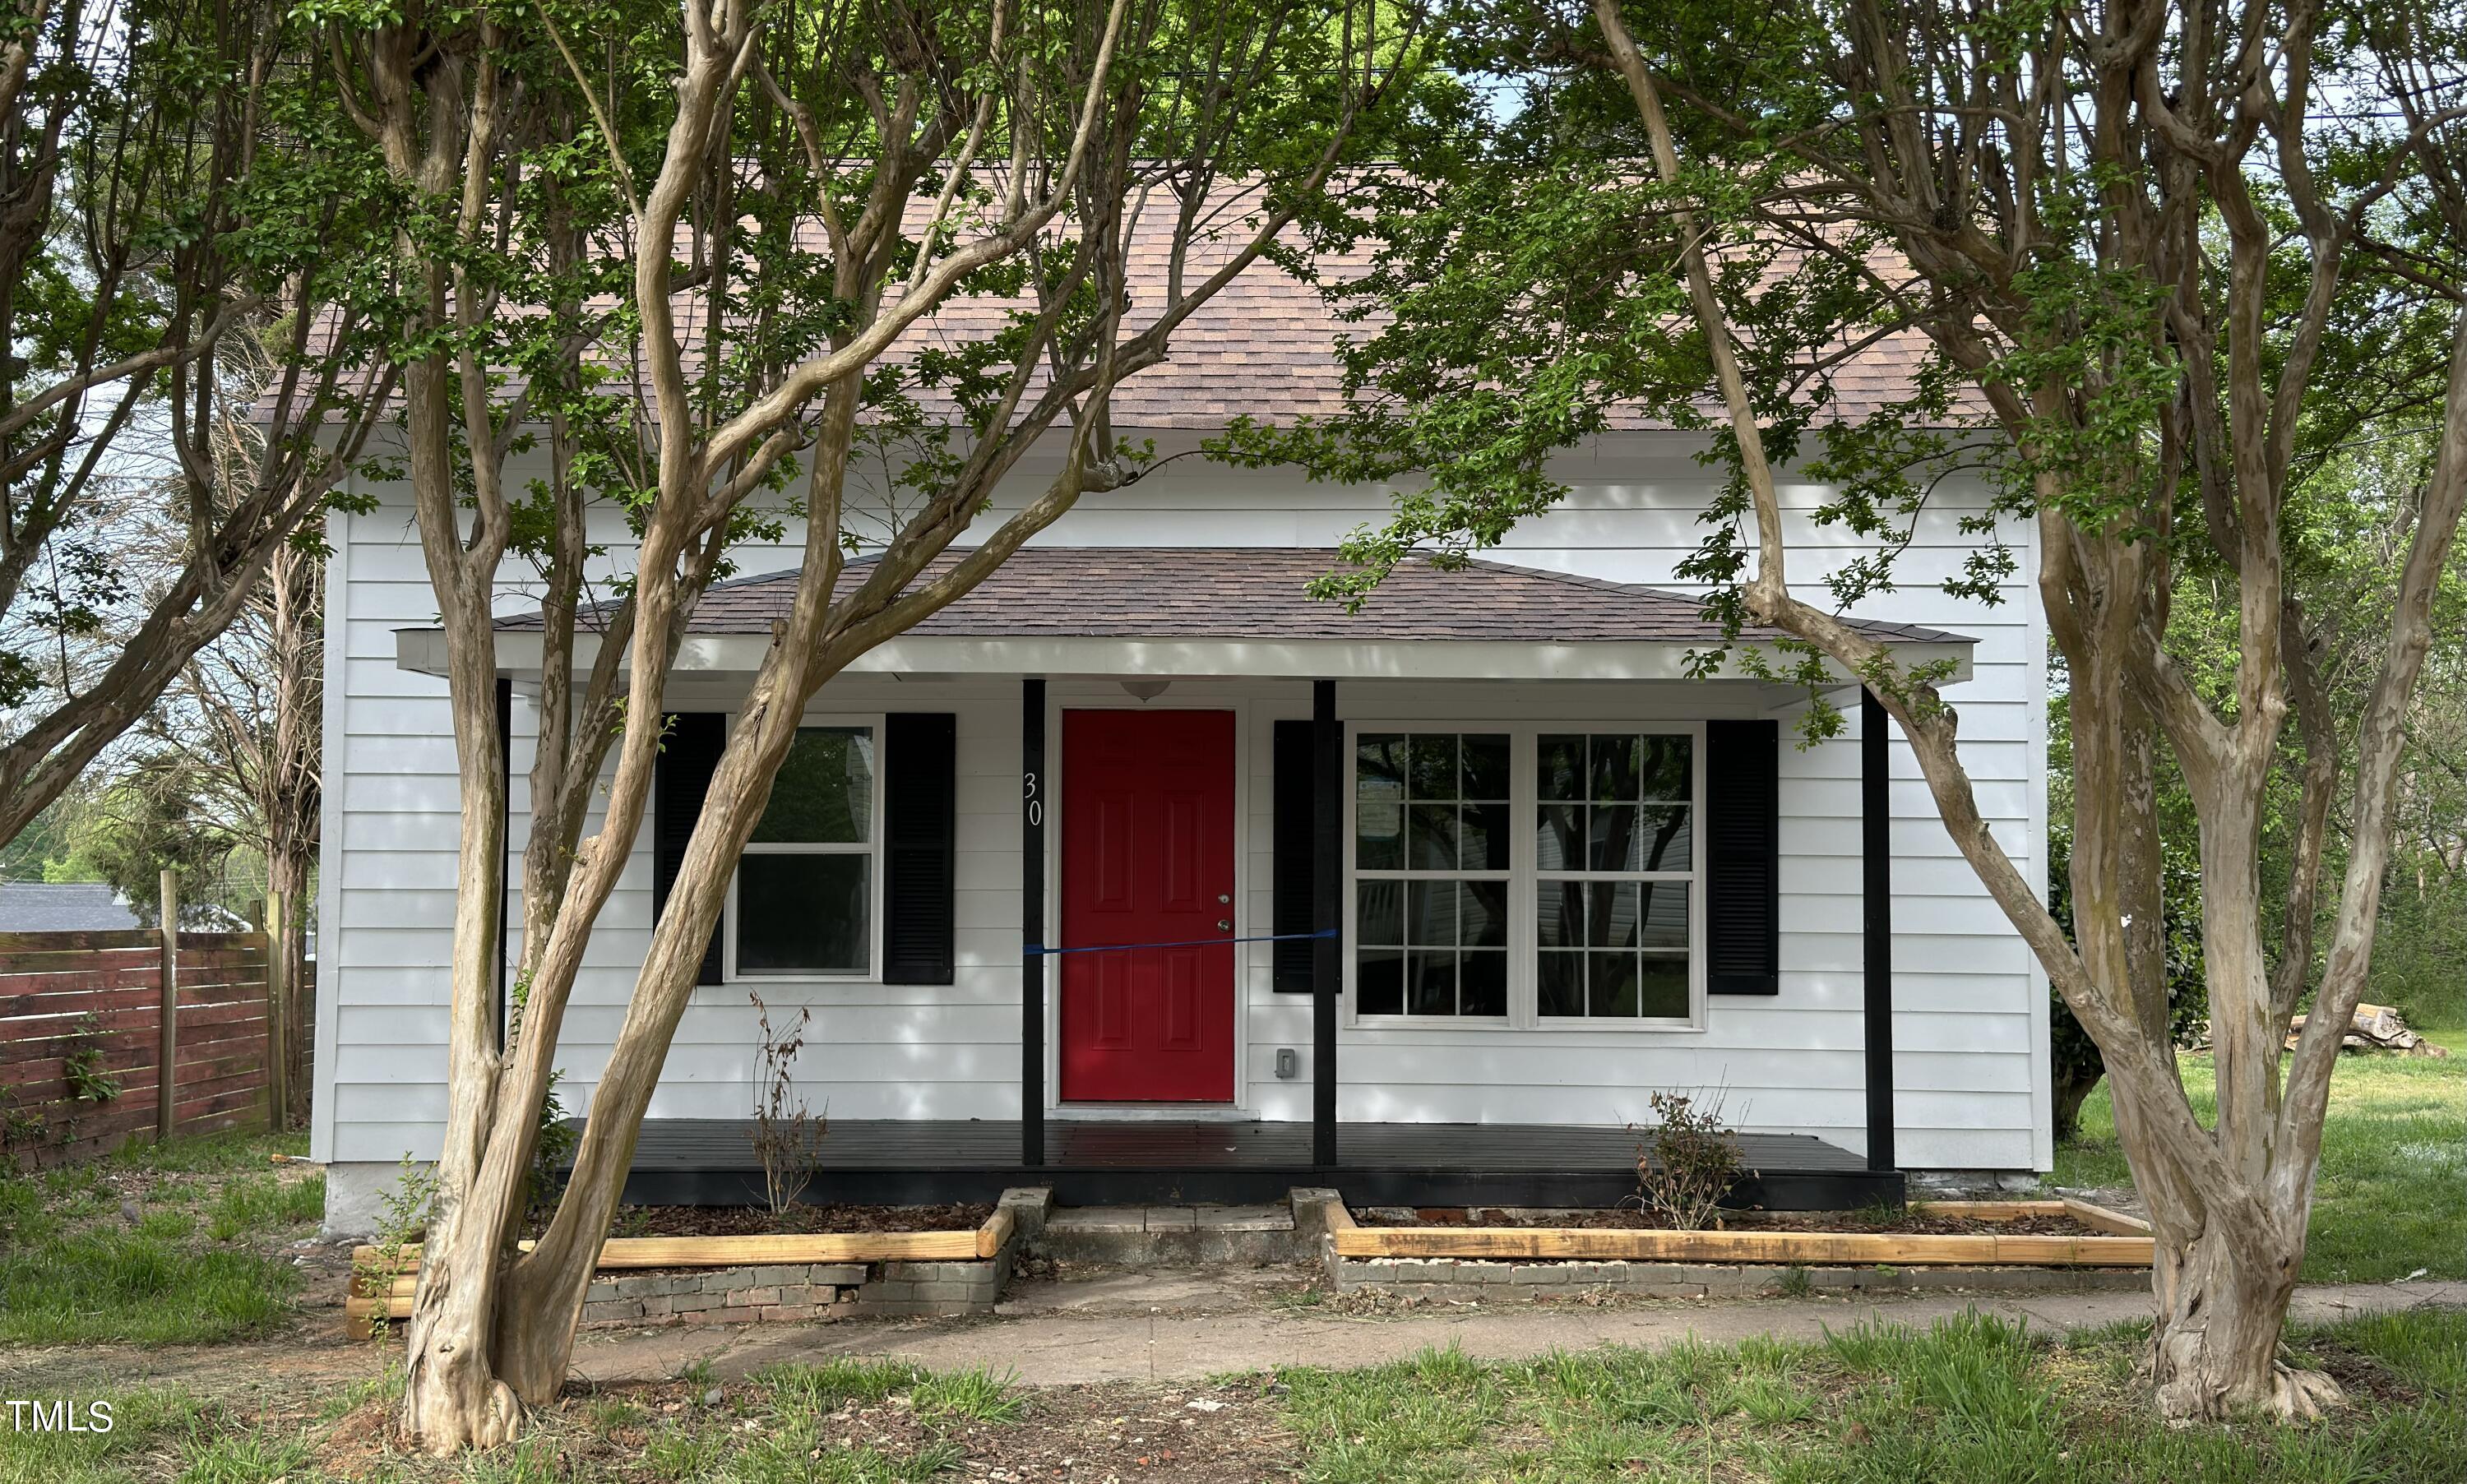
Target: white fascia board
518	654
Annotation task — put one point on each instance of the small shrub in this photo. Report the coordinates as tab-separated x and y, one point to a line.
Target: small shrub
1687	1164
21	1129
83	1068
787	1136
404	1218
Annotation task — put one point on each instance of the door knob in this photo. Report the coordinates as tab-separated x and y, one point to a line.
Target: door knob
1224	925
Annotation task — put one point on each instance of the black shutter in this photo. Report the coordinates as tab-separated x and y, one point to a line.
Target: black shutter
687	756
1295	874
1743	857
919	843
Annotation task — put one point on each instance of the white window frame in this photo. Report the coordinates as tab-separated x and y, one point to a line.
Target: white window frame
1524	879
1693	876
1517	895
874	725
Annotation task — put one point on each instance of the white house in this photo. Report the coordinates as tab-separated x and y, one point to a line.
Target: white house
1566	877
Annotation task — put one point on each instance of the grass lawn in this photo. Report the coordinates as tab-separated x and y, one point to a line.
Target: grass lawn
2392	1196
197	1264
1970	1400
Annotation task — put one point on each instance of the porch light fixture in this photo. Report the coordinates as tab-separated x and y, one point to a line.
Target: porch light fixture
1145	690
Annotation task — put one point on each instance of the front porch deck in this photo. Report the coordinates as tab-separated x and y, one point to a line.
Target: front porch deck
709	1161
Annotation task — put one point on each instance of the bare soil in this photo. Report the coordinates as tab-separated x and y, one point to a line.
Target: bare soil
1107	1433
1638	1219
745	1221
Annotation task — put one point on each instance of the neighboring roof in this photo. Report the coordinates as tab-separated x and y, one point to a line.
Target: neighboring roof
1261	592
63	907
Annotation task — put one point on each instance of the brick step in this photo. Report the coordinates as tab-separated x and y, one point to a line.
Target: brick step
1171	1236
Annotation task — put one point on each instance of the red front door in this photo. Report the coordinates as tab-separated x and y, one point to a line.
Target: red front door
1147	857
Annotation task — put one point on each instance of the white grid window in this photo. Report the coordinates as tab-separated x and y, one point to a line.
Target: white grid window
1534	875
1615	865
1431	851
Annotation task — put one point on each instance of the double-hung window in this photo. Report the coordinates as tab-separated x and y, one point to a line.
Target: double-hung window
1534	875
1432	847
806	886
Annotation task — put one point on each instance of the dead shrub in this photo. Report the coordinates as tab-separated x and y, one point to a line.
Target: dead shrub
787	1136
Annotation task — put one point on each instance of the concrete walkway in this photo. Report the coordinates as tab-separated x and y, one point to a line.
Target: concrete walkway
1184	1326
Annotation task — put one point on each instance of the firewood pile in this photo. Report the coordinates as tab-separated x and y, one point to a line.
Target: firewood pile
2375	1027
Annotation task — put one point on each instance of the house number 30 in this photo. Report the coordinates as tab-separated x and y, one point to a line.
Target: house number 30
1035	805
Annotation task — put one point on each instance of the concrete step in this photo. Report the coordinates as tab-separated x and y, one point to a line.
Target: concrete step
1169	1236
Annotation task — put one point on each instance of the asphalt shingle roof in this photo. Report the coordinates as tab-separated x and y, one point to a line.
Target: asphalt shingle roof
1264	346
63	907
1261	593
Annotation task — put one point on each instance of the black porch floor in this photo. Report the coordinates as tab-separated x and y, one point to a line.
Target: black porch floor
710	1162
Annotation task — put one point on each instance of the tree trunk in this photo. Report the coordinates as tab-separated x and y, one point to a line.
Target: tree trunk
289	798
286	881
2214	1350
451	1399
2073	1088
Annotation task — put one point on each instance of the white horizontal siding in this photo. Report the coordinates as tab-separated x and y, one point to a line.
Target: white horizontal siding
1970	1031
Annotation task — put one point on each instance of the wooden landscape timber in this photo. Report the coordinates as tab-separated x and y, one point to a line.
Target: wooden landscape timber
2129	1247
634	1253
2116	1223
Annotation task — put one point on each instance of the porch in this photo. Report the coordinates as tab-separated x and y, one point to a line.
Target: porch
709	1161
1144	681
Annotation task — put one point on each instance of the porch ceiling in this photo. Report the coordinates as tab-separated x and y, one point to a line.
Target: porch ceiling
1235	611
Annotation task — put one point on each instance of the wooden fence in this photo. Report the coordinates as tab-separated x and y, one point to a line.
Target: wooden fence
83	1011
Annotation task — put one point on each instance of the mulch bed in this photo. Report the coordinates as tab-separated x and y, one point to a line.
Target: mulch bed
1635	1219
749	1221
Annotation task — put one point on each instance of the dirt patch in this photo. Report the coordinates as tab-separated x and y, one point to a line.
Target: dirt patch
2365	1380
747	1220
1634	1219
1092	1435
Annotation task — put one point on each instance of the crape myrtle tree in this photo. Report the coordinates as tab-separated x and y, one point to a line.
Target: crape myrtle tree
2162	257
177	256
680	247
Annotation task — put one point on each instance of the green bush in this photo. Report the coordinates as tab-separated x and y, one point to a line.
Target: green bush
2420	952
